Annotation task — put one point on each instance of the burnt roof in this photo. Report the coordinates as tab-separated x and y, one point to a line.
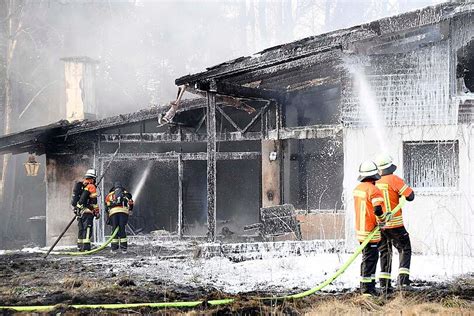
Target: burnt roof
332	41
35	139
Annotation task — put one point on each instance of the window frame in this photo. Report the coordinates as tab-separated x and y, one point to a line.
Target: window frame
407	169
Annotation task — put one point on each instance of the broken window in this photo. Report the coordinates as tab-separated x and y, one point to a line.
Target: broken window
432	164
316	106
465	69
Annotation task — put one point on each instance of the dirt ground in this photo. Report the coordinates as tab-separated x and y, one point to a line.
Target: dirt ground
28	279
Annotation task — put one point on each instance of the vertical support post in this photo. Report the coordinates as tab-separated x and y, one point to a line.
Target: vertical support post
271	157
180	196
101	236
211	167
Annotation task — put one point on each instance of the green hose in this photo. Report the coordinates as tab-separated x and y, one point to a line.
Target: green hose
190	304
344	267
89	252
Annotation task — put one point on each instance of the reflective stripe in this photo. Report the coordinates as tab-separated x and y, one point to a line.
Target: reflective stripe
79	241
378	199
361	235
118	209
115	241
358	193
123	239
384	275
395	221
382	186
404	271
365	279
87	240
403	189
373	277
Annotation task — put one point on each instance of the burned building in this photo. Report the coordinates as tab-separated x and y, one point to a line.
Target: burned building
289	125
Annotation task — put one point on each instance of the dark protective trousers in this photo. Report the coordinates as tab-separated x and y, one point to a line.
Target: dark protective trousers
370	256
84	224
399	238
119	220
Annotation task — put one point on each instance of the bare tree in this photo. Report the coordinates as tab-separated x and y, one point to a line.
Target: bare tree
13	27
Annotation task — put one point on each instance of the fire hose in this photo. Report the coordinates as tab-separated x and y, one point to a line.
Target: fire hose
191	304
89	252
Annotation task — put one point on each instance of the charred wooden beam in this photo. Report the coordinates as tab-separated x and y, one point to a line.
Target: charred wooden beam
201	121
227	117
306	132
255	118
226	100
175	138
234	90
211	167
174	156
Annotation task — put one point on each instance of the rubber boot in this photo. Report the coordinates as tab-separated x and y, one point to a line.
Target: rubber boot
368	289
386	286
404	282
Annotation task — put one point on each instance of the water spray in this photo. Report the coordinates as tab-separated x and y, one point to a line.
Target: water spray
368	102
139	187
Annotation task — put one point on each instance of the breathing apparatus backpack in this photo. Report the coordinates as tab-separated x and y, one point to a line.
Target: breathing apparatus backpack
76	193
118	198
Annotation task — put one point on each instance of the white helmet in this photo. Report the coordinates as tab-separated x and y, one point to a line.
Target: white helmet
367	170
385	164
90	174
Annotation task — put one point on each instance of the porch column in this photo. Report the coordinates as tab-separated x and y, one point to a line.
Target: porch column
271	157
180	196
211	166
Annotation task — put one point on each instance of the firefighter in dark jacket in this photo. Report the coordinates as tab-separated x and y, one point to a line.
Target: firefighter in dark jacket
86	209
394	232
119	206
369	212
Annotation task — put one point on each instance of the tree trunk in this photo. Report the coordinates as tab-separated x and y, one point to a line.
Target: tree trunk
14	11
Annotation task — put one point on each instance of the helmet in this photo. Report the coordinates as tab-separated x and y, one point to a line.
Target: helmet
90	174
368	170
385	164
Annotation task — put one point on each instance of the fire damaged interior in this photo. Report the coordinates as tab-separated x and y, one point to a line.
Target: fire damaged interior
258	132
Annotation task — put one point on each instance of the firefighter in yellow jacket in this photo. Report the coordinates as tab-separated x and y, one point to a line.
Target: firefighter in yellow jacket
119	205
394	232
369	212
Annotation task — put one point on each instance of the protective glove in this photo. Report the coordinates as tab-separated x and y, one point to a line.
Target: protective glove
97	215
382	224
78	210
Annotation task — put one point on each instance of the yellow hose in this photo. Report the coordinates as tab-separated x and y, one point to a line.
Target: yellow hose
89	252
190	304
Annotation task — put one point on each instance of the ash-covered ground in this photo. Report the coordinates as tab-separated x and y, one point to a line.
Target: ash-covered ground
157	271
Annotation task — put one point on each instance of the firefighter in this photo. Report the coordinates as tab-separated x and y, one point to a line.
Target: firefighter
394	232
119	205
86	209
368	205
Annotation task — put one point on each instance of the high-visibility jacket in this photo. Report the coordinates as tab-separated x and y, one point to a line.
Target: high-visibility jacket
124	207
88	200
392	188
366	197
